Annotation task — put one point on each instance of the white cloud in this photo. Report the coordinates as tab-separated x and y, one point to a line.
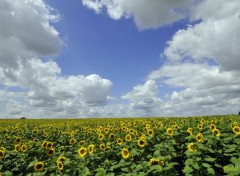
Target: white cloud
146	14
27	36
144	97
216	37
203	62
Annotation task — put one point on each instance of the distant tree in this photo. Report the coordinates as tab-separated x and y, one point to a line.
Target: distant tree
239	113
22	117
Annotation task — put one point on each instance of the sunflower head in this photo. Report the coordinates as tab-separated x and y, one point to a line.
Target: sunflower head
150	132
82	151
119	141
128	137
192	147
142	142
111	136
236	130
39	166
50	152
45	135
24	148
216	132
170	131
18	140
91	148
82	142
44	144
72	141
61	159
49	145
190	130
2	153
154	161
102	146
212	126
200	126
125	153
199	137
60	165
101	137
17	148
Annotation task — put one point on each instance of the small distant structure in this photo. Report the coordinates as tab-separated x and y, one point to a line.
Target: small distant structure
22	118
239	113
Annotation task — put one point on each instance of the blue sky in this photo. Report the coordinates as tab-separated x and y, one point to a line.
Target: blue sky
114	49
85	58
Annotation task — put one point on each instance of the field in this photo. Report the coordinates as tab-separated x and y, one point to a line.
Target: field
133	146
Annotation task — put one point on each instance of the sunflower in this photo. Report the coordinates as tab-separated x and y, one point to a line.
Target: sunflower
170	131
141	142
61	148
18	140
190	130
111	136
143	136
125	153
192	147
128	137
3	148
199	137
216	132
50	152
131	131
44	144
154	161
150	132
39	166
17	148
200	126
61	159
82	151
60	165
236	130
212	126
72	141
23	148
108	145
162	163
101	137
119	141
49	145
106	130
91	148
102	147
2	152
82	142
45	135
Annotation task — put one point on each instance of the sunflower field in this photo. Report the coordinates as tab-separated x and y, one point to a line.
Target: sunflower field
121	146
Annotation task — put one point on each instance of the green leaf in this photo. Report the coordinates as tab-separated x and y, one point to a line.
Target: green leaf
206	165
85	171
8	173
31	164
187	170
235	160
210	159
210	171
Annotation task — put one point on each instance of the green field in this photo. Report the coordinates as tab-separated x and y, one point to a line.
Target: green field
121	146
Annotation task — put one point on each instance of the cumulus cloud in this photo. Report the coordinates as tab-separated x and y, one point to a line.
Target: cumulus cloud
215	38
203	62
146	14
144	97
27	36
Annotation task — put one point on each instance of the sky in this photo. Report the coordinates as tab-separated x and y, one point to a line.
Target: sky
119	58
